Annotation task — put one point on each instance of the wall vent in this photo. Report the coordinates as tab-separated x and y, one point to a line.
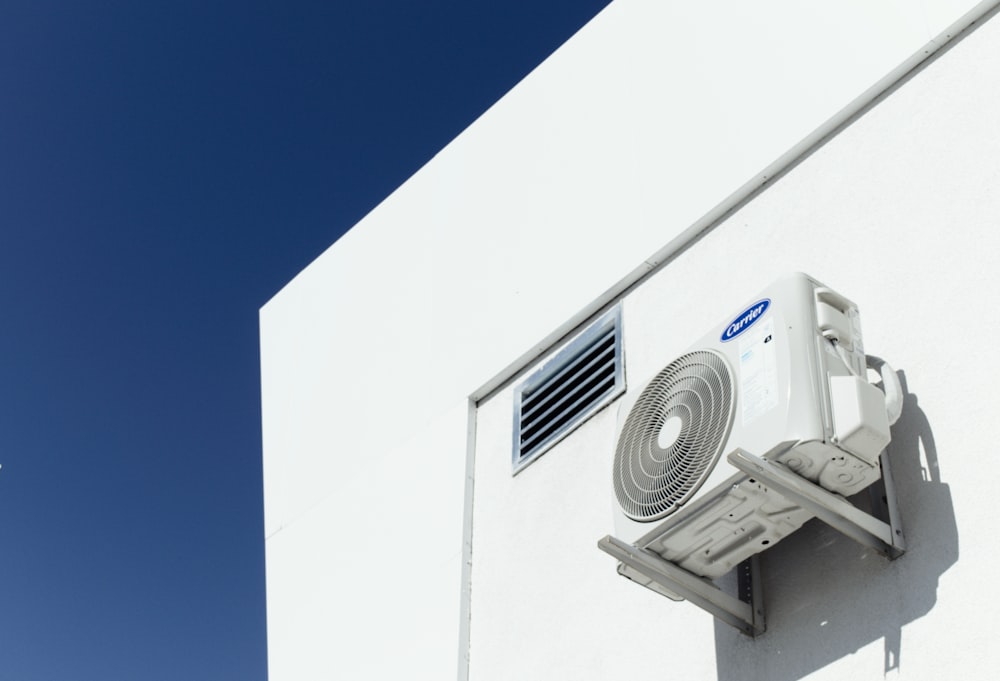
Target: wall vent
569	388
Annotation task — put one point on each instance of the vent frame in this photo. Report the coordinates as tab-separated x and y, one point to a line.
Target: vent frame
592	366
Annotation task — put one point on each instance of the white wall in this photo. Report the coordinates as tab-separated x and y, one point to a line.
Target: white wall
901	213
650	116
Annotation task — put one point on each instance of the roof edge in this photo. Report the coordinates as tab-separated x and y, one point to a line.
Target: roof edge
884	87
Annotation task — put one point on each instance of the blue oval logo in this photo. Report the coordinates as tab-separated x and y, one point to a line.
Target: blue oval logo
744	320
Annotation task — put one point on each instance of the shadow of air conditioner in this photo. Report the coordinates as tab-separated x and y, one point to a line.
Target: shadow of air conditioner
827	596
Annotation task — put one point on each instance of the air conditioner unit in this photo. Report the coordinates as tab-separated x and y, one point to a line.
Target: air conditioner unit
788	367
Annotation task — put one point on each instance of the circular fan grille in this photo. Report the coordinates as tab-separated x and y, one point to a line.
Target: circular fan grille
673	434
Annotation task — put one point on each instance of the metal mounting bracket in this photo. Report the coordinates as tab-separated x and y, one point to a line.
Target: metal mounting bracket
833	509
745	615
880	530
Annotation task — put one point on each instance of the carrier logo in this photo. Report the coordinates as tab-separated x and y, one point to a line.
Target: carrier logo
744	320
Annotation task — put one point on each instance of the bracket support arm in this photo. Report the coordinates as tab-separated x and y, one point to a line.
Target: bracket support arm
747	617
833	509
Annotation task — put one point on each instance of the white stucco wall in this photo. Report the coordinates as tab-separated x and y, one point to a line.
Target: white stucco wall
901	213
630	133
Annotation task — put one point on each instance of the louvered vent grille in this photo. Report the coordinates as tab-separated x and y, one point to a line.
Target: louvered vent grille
581	379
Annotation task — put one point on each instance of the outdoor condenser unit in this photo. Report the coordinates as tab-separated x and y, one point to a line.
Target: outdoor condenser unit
765	422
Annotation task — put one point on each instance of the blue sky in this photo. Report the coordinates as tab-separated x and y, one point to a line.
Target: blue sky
165	167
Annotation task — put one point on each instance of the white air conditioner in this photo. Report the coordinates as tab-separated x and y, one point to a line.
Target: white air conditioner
788	367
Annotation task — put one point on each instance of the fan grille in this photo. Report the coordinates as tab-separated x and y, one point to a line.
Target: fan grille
653	477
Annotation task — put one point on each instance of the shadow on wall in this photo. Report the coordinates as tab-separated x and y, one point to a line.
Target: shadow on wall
827	596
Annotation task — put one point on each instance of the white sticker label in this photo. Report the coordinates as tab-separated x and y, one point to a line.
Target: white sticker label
758	372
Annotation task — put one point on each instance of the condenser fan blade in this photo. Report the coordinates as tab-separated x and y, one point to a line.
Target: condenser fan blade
673	435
